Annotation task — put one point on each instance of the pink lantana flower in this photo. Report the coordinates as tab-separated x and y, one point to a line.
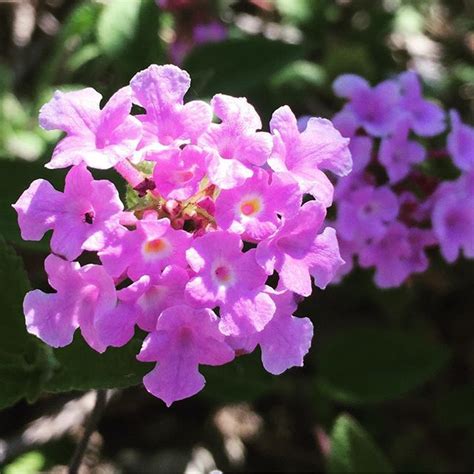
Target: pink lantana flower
82	218
178	173
253	208
228	278
180	262
304	155
297	252
168	121
147	250
165	291
81	293
184	338
235	143
99	138
284	341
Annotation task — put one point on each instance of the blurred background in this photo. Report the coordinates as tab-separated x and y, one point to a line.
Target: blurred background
388	384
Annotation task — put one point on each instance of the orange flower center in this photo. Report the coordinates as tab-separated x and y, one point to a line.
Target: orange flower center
250	207
155	246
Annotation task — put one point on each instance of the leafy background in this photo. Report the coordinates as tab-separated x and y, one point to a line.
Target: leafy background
387	386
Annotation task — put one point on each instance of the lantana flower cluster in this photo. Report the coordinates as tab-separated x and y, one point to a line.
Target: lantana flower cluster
391	208
216	245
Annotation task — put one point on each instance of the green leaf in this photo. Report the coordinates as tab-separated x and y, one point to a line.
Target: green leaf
244	379
345	57
299	75
25	363
454	410
117	25
124	27
296	11
353	449
77	31
25	144
235	66
81	368
28	463
365	365
83	56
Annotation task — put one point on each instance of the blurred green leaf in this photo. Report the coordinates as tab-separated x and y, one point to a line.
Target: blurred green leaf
25	145
235	66
12	111
353	449
83	56
341	58
454	410
28	463
76	33
408	20
25	363
299	74
299	11
365	365
80	23
5	79
81	368
117	25
124	27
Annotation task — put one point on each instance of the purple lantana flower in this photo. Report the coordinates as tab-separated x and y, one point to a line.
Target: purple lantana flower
375	109
398	154
397	254
365	213
425	118
453	218
394	205
461	143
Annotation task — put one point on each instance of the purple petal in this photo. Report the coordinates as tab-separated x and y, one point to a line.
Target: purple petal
348	85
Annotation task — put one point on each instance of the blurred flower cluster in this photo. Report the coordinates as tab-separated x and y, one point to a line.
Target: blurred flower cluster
194	24
216	245
393	206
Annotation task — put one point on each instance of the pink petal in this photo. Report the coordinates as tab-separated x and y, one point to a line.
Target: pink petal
38	208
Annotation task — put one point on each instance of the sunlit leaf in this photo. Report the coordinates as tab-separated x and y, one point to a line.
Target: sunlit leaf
354	450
